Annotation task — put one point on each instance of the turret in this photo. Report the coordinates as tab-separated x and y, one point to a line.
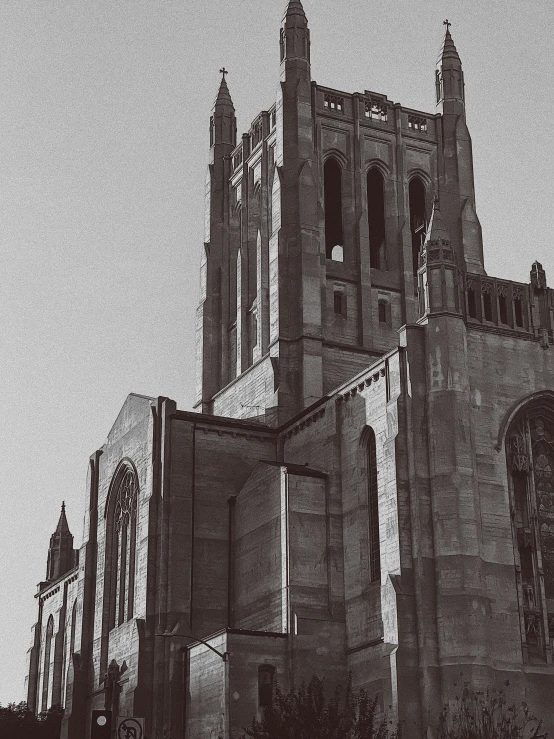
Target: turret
300	275
223	124
215	256
61	555
295	34
438	273
457	190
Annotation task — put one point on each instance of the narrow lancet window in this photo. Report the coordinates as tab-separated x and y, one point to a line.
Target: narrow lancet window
332	184
376	218
417	218
46	663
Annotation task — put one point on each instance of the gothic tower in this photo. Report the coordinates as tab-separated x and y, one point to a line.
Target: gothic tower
315	224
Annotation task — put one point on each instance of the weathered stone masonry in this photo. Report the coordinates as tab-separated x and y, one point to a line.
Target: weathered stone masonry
367	486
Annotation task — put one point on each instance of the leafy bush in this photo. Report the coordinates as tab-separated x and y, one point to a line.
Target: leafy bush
487	715
305	713
18	722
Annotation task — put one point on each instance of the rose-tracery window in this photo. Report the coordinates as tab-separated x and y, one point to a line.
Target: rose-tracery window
530	447
123	547
542	443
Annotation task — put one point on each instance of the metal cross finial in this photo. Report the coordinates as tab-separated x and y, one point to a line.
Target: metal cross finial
447	24
224	72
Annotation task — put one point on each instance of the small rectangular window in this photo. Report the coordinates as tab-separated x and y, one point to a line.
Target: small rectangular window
334	102
375	109
382	311
339	301
417	123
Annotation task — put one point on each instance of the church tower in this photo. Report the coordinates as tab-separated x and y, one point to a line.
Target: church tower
315	223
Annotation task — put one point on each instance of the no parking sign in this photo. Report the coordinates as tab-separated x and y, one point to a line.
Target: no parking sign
130	727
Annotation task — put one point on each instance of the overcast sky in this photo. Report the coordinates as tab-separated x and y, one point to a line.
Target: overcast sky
104	111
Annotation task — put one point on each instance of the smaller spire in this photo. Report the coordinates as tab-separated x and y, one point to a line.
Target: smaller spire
63	526
448	49
294	7
436	231
223	95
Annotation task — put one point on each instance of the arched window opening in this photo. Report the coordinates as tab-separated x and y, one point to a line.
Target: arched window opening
71	640
123	547
376	218
332	186
337	255
373	510
46	663
418	222
530	452
68	657
266	675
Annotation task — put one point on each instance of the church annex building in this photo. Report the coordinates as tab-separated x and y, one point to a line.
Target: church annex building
366	485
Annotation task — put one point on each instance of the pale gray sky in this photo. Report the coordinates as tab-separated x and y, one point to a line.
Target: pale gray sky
104	111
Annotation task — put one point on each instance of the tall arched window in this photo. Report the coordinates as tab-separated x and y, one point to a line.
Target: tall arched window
124	527
530	453
46	663
69	655
373	509
376	218
417	218
332	185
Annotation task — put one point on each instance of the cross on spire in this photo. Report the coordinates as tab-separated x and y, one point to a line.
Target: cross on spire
447	24
223	72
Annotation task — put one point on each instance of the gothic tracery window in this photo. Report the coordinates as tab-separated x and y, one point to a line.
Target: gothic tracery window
542	444
530	447
124	541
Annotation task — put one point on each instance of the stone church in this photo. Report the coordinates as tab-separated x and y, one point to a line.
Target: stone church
366	483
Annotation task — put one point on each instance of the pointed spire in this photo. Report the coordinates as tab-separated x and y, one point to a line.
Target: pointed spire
448	49
294	7
223	95
295	34
437	231
62	527
61	556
